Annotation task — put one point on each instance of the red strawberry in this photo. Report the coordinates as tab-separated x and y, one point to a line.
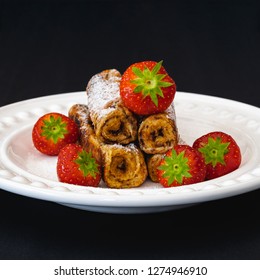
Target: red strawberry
181	165
146	88
221	152
52	132
77	166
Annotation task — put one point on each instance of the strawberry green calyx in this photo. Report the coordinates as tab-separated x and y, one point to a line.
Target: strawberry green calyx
176	167
214	151
87	164
54	129
149	82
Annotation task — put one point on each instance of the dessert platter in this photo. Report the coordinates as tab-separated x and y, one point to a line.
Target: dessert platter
26	171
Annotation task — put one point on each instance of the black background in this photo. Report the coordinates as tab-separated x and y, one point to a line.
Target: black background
208	47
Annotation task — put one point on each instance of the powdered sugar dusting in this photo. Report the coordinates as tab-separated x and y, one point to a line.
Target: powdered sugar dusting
102	89
128	148
83	112
171	112
79	111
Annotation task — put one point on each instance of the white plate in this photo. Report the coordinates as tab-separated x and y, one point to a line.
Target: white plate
25	171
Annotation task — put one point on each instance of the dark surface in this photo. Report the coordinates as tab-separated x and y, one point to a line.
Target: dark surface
209	47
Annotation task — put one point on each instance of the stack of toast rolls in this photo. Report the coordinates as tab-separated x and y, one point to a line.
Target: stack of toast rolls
127	146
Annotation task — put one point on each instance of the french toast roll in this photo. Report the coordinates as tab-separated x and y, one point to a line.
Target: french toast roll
153	162
123	166
88	139
158	133
113	122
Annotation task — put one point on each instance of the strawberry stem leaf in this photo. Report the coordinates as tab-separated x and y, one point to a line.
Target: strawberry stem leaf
175	167
54	129
149	82
214	151
87	164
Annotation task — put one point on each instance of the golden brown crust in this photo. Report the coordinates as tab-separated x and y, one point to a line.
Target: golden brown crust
157	134
152	164
117	126
123	166
80	114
